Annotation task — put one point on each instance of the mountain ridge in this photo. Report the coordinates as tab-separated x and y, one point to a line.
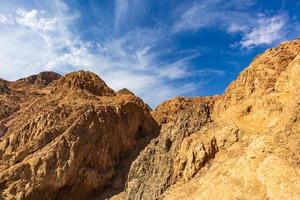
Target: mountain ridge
253	126
73	137
46	144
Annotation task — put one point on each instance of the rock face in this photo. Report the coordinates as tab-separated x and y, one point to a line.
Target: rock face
243	144
13	95
41	79
69	138
73	137
158	165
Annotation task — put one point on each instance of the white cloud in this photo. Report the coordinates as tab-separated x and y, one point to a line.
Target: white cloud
32	20
121	9
43	38
213	14
267	31
6	20
235	28
34	40
235	17
128	13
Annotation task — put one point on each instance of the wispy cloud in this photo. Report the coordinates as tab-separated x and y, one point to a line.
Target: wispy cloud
34	40
212	14
4	20
128	13
121	9
129	51
208	72
235	17
31	20
267	31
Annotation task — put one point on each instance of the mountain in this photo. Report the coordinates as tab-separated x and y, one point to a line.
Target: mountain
244	144
68	138
72	137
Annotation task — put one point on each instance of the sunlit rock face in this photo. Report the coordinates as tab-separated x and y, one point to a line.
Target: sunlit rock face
73	137
247	148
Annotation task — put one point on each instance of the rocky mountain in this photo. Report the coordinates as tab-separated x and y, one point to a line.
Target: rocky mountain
70	138
244	144
73	137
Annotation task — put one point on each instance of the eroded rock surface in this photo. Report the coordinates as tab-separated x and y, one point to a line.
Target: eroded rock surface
69	141
41	79
247	149
158	165
73	137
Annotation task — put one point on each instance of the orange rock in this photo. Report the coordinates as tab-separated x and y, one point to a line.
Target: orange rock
247	149
73	137
73	141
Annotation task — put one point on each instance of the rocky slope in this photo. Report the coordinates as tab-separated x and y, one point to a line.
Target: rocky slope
158	165
70	138
244	144
73	137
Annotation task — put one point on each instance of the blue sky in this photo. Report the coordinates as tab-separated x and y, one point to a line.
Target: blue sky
157	49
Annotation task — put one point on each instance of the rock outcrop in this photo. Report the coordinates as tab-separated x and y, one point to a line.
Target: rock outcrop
73	137
41	79
247	149
15	95
73	140
157	166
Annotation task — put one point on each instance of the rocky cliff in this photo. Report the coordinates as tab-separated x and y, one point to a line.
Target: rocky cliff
159	165
70	138
73	137
244	144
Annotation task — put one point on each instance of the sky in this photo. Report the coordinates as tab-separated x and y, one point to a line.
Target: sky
158	49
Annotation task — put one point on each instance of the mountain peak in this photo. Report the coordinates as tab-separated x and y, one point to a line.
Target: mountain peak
85	81
42	79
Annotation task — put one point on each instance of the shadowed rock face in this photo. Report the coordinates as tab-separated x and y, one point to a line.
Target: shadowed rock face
243	144
3	129
156	167
70	140
3	86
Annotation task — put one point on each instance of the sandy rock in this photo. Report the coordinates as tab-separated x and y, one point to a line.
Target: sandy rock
248	149
41	79
156	167
73	147
75	138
